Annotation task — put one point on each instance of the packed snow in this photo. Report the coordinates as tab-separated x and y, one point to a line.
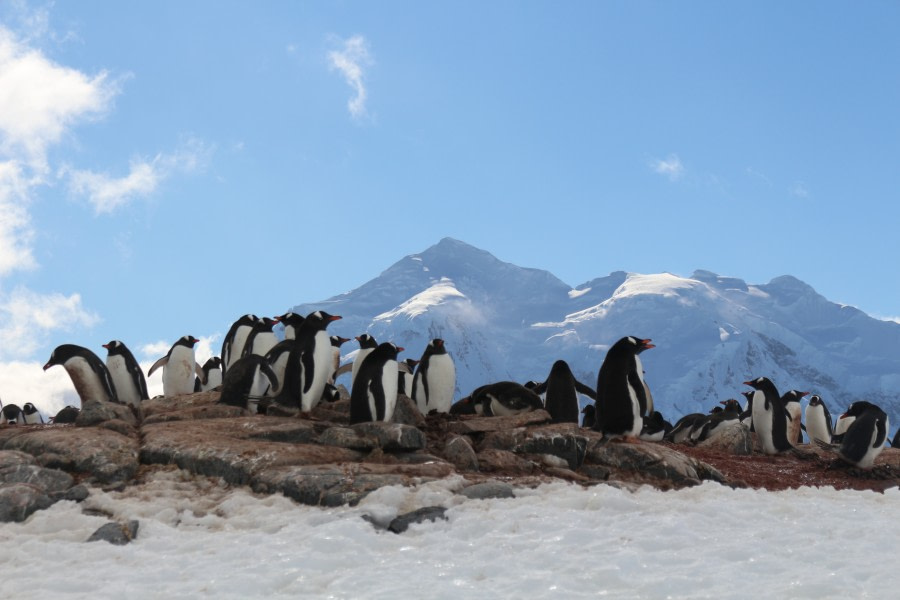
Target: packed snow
200	538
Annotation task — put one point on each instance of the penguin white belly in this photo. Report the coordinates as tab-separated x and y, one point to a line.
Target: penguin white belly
762	422
213	380
257	389
263	342
441	376
237	345
361	354
408	383
178	373
817	425
637	419
335	363
872	451
389	376
122	379
321	369
87	383
279	366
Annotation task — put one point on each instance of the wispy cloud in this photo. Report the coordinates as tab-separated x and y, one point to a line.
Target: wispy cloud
106	193
28	317
350	61
799	190
671	167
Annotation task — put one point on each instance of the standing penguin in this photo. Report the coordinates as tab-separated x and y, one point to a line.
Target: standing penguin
309	363
242	384
864	439
179	367
818	420
236	338
562	389
374	393
590	416
435	379
88	373
791	401
406	375
211	375
291	322
770	418
336	343
126	373
277	358
621	393
366	344
261	338
31	415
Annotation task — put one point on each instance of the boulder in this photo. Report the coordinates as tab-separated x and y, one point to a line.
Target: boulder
734	439
392	436
458	450
19	500
651	463
428	513
117	534
94	413
488	489
407	413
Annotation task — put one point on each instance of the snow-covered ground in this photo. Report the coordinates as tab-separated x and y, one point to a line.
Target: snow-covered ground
200	539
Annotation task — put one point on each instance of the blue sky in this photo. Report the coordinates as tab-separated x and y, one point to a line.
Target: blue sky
168	166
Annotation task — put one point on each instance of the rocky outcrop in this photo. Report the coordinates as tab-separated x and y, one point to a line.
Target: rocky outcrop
26	487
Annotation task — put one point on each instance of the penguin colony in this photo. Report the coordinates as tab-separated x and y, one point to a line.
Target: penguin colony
258	372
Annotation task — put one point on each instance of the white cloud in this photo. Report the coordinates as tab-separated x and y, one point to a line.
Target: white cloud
49	391
27	318
106	193
670	167
799	190
350	62
16	233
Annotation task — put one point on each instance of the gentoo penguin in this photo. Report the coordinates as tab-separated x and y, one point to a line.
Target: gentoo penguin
11	414
88	373
331	393
210	375
465	406
435	379
309	363
366	344
179	367
261	338
840	428
336	343
242	384
681	432
864	439
374	393
405	377
716	423
31	415
505	398
747	413
791	401
66	415
896	441
126	373
818	420
590	415
655	427
770	418
277	358
291	322
621	394
561	391
235	339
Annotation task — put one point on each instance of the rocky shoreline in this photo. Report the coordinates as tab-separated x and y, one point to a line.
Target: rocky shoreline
319	459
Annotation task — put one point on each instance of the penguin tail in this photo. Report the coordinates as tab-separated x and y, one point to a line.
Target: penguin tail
803	454
826	446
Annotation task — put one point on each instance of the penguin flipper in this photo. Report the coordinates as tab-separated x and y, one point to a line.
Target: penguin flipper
308	364
345	369
587	391
160	363
542	388
639	390
199	370
402	367
271	376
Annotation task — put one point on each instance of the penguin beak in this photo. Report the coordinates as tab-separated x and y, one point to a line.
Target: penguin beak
400	348
748	383
334	318
646	345
47	366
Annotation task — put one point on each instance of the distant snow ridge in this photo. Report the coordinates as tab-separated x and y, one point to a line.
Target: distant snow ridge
712	333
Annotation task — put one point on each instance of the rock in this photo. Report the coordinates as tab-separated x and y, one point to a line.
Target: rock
458	450
116	533
508	439
488	489
337	412
191	413
570	446
94	413
734	439
161	404
50	481
19	500
289	431
12	458
652	463
428	513
505	461
472	425
407	413
105	455
595	472
393	436
344	437
120	426
76	493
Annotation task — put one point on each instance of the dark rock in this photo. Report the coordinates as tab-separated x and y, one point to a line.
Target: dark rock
488	489
734	439
458	451
595	472
19	500
338	412
12	458
191	413
428	513
505	461
51	481
570	447
507	439
344	437
105	455
76	493
472	425
651	462
116	533
94	413
393	436
407	413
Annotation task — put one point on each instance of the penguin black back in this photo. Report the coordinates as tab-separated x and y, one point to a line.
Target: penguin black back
374	392
621	395
561	389
770	417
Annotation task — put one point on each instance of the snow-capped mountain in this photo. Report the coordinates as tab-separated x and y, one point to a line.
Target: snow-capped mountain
501	321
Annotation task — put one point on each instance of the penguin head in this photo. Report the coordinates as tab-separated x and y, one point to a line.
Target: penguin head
758	383
732	405
290	319
187	340
639	344
815	400
64	352
858	408
793	396
265	324
436	346
412	362
113	347
212	363
338	341
320	319
366	341
716	409
29	408
560	367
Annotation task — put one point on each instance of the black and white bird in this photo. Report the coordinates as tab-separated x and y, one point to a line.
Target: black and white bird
504	398
818	420
261	338
622	397
31	415
246	382
210	375
235	339
435	379
791	401
374	393
126	373
89	375
864	439
770	418
291	322
179	367
309	363
366	344
11	414
560	391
